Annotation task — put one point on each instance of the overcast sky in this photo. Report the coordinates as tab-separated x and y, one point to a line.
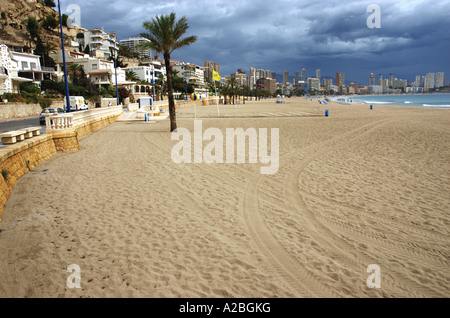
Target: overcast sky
288	35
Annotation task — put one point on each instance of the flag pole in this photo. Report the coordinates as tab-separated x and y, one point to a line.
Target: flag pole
216	77
217	99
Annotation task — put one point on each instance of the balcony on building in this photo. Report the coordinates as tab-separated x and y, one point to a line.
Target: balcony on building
3	73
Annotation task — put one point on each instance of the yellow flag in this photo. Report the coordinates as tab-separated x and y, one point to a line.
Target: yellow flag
216	76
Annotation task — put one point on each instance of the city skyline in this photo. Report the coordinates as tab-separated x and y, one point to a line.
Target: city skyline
291	35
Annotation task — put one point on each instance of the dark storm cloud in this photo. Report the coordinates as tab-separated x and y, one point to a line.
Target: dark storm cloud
290	35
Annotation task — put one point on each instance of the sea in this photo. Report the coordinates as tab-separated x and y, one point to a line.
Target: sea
419	100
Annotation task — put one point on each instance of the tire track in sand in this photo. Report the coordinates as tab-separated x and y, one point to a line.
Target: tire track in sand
335	245
420	253
283	263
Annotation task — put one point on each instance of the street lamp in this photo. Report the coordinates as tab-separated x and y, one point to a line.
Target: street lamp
117	88
115	67
153	82
64	59
185	82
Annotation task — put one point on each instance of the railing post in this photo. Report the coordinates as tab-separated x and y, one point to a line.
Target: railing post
48	122
55	123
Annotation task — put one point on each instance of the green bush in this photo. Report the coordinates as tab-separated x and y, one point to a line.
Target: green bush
75	90
64	18
27	87
103	92
50	86
49	3
8	96
33	27
50	22
112	90
13	98
30	98
45	102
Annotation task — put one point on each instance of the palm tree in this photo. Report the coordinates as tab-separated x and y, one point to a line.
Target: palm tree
224	90
48	47
131	76
165	36
245	92
232	83
160	86
75	72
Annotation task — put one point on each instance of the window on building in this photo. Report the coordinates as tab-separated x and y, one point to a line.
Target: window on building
24	65
32	65
94	66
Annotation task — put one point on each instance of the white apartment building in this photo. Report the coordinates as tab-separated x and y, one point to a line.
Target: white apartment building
260	73
327	83
429	81
414	89
193	74
133	41
375	89
400	83
149	72
416	83
101	72
241	78
439	80
101	44
16	67
144	73
313	84
251	78
251	82
29	66
9	72
303	74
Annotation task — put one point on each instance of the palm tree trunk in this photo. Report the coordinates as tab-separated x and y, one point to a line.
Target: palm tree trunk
172	112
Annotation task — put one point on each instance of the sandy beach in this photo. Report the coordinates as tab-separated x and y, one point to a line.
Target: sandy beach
358	187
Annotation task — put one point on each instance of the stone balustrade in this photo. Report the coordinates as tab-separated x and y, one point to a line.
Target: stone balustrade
76	119
59	122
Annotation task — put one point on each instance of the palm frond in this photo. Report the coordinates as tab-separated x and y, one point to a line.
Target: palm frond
184	42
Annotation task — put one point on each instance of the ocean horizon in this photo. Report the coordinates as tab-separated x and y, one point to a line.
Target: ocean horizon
418	100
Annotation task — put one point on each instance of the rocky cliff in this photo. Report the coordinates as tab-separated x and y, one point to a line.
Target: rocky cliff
13	31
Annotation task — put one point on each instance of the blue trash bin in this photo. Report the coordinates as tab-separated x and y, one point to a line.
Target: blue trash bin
326	112
371	107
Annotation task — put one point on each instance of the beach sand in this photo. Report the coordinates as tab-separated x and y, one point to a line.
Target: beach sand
356	188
